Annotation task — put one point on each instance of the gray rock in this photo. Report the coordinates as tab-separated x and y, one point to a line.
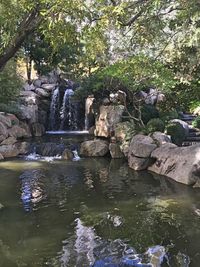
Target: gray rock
161	138
141	146
94	148
183	124
179	163
1	157
17	132
37	83
28	87
115	151
23	147
28	113
28	98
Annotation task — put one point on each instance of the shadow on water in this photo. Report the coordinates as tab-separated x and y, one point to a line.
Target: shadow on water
92	212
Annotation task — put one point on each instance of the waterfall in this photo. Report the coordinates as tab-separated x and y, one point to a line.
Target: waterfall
68	112
54	110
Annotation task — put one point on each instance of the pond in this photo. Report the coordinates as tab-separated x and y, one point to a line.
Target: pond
95	212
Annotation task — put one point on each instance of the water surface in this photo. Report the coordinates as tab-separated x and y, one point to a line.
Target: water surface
65	213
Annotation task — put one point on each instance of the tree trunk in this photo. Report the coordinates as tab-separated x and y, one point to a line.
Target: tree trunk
26	27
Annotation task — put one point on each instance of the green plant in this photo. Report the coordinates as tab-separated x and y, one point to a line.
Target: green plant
193	105
155	125
149	112
10	107
196	122
176	131
169	115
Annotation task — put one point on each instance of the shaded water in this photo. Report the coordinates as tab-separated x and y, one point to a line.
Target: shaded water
65	213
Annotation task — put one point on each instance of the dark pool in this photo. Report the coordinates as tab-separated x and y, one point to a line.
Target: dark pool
94	211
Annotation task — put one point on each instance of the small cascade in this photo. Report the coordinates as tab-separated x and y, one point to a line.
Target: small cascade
54	110
68	113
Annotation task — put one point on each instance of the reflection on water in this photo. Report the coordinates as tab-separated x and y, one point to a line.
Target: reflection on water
95	212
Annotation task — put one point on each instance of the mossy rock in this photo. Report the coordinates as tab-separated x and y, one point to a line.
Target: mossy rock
196	122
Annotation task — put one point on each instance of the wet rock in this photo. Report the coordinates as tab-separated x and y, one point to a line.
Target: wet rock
179	163
109	116
94	148
23	147
67	154
1	157
50	149
9	141
139	164
37	129
160	138
115	151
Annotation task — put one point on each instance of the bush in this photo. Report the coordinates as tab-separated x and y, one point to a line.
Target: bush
196	122
176	131
10	107
155	125
149	112
169	115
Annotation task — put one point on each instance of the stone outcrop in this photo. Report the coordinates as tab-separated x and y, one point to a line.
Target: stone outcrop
94	148
179	163
37	129
108	117
161	138
139	155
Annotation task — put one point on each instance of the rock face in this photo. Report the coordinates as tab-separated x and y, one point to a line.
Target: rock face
161	138
8	151
179	163
140	150
109	116
94	148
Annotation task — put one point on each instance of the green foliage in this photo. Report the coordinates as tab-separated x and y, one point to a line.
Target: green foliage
176	131
196	122
193	105
168	115
155	125
149	112
10	83
10	107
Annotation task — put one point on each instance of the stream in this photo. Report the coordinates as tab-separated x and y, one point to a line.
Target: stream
94	212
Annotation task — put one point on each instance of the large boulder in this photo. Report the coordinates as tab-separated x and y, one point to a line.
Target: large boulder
26	128
37	129
23	147
67	154
140	150
179	163
94	148
48	86
141	146
28	98
109	116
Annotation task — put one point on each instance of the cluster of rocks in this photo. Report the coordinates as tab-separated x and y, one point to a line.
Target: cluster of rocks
11	131
34	104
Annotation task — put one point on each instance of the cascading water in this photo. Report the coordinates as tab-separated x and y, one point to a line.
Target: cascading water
68	112
54	110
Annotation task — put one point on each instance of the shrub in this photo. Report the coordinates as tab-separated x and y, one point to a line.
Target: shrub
10	107
176	131
169	115
196	122
149	112
155	125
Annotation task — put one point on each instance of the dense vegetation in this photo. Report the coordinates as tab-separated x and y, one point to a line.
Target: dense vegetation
105	44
